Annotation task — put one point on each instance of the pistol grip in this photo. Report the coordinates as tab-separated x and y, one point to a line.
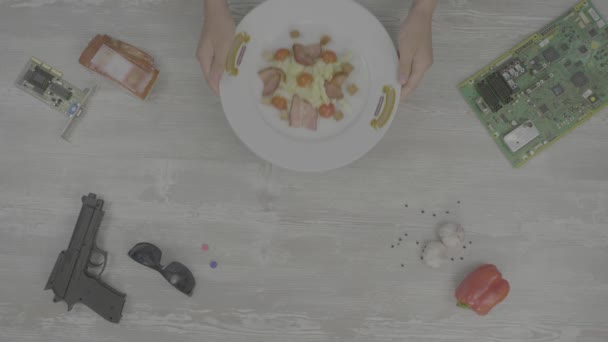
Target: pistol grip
101	298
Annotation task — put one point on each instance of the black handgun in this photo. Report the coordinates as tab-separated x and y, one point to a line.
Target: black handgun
74	278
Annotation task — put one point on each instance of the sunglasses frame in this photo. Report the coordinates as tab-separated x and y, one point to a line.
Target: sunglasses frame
160	268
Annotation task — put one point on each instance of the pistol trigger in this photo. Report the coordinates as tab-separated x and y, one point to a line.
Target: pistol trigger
98	254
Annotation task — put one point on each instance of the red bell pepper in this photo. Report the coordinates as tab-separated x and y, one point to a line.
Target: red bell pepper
482	290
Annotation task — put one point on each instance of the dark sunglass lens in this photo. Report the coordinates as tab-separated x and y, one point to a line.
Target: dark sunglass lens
180	277
146	254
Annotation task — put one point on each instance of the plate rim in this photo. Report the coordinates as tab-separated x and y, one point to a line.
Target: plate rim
378	132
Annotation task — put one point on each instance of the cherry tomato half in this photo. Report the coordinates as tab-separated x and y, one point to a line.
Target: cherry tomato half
327	110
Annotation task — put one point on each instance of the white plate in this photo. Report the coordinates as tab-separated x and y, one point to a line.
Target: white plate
335	144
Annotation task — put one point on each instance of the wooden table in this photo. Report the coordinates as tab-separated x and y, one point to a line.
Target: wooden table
302	257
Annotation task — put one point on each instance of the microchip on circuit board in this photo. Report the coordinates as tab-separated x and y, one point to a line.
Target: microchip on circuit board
551	54
558	90
579	79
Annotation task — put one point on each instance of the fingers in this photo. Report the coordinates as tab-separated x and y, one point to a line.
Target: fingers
219	65
416	75
205	57
405	66
217	70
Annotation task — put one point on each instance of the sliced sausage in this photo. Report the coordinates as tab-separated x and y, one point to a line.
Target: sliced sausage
303	114
301	56
306	54
272	78
333	91
339	78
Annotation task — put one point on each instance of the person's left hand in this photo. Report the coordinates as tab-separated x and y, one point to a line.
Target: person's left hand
415	49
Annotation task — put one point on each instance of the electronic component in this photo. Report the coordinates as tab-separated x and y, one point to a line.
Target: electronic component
558	90
579	79
594	14
536	64
511	69
47	85
535	107
500	87
584	18
593	99
521	136
590	96
488	96
59	90
551	54
482	105
37	79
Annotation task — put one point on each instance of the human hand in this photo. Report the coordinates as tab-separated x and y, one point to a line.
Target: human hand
215	42
415	46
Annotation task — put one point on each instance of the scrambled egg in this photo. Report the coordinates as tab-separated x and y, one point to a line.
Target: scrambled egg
315	93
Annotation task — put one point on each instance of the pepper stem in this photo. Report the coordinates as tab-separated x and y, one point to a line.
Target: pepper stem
462	305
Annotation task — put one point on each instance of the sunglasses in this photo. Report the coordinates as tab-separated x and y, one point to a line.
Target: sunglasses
176	273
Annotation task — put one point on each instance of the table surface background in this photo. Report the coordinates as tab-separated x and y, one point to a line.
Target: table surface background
302	257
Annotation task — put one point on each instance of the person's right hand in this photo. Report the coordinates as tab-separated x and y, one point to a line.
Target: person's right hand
215	42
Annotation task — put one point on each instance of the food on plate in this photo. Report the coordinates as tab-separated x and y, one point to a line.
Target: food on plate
302	114
347	68
327	110
352	89
305	83
306	54
305	79
282	54
279	102
482	290
272	78
325	40
338	116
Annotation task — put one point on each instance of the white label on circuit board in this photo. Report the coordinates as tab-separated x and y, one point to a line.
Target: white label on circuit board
594	14
588	93
601	23
544	42
113	64
584	17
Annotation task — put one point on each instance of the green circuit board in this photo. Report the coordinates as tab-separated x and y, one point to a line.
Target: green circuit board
545	86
